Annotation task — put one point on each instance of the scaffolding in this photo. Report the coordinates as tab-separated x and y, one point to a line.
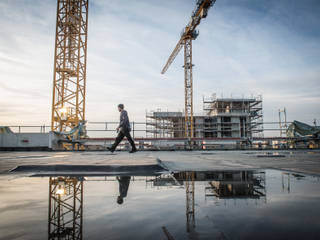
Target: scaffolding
164	124
221	118
233	117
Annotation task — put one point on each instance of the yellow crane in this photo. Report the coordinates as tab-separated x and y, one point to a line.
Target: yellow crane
70	59
188	34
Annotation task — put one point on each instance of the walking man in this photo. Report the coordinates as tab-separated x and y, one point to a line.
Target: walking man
123	130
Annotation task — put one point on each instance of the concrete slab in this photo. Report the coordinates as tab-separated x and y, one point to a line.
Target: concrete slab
88	170
299	161
10	160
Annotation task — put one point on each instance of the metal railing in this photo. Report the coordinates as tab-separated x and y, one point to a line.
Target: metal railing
139	129
30	128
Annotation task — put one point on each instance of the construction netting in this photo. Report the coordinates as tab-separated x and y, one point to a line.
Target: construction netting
300	129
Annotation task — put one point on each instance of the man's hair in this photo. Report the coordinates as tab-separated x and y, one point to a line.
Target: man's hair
121	106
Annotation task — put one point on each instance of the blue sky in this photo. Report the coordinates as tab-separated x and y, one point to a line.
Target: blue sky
244	48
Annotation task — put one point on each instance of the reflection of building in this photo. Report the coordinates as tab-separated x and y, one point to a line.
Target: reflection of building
222	118
164	180
66	195
244	184
65	208
238	184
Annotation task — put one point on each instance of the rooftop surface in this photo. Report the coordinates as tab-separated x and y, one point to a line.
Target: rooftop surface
234	195
304	161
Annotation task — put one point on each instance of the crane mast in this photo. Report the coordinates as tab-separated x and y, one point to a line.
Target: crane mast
70	59
188	34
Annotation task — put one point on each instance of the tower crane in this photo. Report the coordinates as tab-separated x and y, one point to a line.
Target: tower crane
188	34
69	72
70	59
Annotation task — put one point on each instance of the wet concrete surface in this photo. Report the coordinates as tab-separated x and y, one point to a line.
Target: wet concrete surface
231	204
204	195
10	160
298	161
304	161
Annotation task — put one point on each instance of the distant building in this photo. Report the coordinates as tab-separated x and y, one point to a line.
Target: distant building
221	118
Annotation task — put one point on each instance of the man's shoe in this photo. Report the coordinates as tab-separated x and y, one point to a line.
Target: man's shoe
110	149
133	151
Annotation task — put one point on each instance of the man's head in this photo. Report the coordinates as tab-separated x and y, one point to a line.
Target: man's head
120	107
120	200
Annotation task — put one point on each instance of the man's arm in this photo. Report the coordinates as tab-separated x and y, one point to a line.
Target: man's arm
123	119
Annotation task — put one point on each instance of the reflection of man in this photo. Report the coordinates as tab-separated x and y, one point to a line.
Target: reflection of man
124	182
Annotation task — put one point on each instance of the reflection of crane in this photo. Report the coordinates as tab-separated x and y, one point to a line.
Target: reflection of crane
190	201
65	208
189	181
189	33
285	186
69	80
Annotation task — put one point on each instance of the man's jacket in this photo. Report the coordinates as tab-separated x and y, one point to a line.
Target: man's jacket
124	182
124	124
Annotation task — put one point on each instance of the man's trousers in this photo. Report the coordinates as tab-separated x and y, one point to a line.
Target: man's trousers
119	138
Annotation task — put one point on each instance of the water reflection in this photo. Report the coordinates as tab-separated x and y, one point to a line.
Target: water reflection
242	184
221	185
66	205
181	205
65	208
66	195
124	182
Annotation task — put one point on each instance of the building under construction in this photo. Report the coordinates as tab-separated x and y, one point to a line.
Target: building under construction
221	118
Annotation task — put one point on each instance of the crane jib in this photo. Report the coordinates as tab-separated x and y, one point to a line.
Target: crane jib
188	34
200	11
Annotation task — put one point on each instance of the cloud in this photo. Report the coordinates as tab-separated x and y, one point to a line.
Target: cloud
244	47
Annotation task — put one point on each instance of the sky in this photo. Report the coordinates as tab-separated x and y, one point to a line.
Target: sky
244	48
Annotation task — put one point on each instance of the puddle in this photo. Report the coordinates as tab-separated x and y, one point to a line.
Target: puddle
271	155
265	204
207	153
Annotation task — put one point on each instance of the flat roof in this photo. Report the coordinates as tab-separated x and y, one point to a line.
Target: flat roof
232	100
